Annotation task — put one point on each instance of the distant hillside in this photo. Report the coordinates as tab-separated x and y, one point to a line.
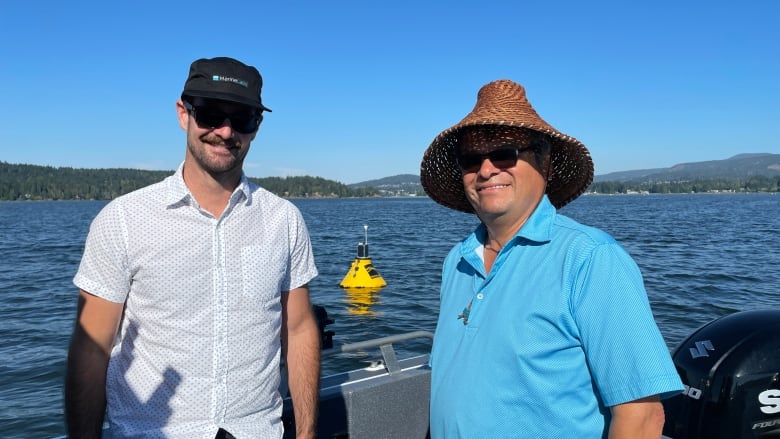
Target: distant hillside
402	184
740	166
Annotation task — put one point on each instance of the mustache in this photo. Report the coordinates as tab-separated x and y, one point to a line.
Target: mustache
219	141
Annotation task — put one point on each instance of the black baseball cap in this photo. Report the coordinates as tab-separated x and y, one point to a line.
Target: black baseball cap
225	79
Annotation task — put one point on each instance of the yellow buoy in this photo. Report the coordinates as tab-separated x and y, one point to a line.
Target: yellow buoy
362	273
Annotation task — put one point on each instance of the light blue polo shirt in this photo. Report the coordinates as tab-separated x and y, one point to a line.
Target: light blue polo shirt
559	330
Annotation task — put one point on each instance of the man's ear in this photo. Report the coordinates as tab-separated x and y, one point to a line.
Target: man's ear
182	114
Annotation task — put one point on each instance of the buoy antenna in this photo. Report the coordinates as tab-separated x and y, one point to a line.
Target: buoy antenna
365	228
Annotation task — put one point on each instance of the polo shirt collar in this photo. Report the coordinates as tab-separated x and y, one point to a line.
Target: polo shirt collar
538	228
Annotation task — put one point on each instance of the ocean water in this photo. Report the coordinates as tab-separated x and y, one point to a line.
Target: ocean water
702	256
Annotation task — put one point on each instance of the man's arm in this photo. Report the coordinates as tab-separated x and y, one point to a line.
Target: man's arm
640	419
301	342
85	380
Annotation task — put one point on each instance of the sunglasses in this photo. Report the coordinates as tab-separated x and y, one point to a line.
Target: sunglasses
503	157
209	117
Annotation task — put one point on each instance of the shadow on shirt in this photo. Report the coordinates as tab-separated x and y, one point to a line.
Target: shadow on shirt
134	410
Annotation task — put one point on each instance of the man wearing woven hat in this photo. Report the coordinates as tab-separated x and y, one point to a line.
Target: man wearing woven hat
545	330
193	289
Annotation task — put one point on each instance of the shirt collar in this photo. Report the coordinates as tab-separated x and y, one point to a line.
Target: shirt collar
537	228
243	191
179	194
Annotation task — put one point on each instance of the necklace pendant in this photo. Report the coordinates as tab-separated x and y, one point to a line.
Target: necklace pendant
465	314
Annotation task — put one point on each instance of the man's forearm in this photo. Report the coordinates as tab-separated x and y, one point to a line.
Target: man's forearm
85	387
303	369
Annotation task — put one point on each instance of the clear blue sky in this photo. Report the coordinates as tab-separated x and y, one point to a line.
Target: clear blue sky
359	89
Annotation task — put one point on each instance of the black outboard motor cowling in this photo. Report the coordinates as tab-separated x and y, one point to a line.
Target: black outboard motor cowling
731	371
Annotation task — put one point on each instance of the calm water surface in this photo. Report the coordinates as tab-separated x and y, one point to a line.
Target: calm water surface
703	256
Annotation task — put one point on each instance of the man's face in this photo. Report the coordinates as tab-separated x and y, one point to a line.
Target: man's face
503	189
216	140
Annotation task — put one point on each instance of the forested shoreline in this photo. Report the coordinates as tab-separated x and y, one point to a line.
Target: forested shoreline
758	183
33	182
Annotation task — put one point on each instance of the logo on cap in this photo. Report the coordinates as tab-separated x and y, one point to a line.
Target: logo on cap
217	78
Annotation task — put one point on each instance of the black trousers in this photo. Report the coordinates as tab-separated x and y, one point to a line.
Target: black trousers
222	434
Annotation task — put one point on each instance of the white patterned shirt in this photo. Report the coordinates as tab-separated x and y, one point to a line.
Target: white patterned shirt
199	343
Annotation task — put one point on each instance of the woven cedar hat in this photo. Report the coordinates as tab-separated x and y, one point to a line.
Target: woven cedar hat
503	103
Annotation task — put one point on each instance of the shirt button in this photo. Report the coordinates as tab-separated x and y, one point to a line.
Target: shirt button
480	296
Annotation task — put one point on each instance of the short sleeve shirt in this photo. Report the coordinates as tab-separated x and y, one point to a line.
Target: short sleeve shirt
199	343
558	331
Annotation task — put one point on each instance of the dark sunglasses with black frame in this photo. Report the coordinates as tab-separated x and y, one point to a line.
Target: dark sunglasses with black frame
245	122
503	157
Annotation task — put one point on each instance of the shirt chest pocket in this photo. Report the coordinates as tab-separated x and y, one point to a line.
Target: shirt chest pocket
263	272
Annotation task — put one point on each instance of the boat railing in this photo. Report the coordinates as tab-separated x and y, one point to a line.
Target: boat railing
385	345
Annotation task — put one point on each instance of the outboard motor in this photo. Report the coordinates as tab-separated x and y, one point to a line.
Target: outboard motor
326	336
731	371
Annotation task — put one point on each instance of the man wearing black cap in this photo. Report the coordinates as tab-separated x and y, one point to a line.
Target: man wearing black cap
192	289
